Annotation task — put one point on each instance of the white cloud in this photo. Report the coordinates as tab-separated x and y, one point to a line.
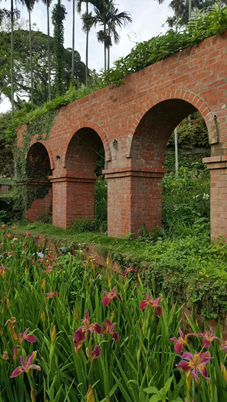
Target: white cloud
147	15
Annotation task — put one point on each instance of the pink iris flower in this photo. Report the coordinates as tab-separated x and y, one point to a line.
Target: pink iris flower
26	366
16	352
179	342
93	354
130	269
207	338
110	296
80	334
194	363
223	345
152	303
3	271
51	294
109	329
29	338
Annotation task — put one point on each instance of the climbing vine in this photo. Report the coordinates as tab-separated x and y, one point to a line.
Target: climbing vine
58	17
30	170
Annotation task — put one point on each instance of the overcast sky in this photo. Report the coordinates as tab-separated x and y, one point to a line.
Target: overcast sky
147	15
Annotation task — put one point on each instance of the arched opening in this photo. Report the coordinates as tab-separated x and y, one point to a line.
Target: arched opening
86	187
39	189
148	155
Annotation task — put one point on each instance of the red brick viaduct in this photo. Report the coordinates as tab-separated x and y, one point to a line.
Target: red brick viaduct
133	123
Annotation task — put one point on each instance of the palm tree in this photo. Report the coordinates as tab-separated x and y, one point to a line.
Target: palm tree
106	15
47	3
87	24
12	56
73	42
115	19
30	4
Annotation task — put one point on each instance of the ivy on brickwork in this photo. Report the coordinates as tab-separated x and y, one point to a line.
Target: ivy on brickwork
29	170
39	121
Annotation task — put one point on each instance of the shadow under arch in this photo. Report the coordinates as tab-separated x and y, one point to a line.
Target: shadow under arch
49	152
39	188
83	124
170	108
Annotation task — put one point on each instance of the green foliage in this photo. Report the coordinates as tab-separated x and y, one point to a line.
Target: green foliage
191	133
190	161
49	294
203	25
40	66
101	206
81	225
31	113
185	200
58	16
10	207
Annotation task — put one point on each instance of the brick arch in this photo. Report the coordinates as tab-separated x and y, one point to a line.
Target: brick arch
94	126
187	96
46	146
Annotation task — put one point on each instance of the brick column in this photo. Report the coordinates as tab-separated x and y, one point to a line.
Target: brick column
218	195
134	200
73	198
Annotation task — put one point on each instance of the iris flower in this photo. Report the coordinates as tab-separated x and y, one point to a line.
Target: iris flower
90	395
130	269
110	296
3	271
26	366
29	338
51	294
93	354
80	334
207	338
179	342
223	345
152	303
16	352
194	363
109	329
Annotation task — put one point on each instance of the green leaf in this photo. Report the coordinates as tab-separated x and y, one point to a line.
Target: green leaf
151	390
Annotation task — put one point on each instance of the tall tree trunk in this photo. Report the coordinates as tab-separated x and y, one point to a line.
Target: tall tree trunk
108	52
189	9
87	35
30	49
73	42
48	49
12	57
108	62
104	47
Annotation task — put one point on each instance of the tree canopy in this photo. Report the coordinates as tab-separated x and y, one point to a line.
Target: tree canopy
40	66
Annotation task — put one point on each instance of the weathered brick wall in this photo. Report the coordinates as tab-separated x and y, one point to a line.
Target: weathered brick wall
140	115
41	208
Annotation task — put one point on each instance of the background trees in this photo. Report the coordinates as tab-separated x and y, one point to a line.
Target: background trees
183	8
40	58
